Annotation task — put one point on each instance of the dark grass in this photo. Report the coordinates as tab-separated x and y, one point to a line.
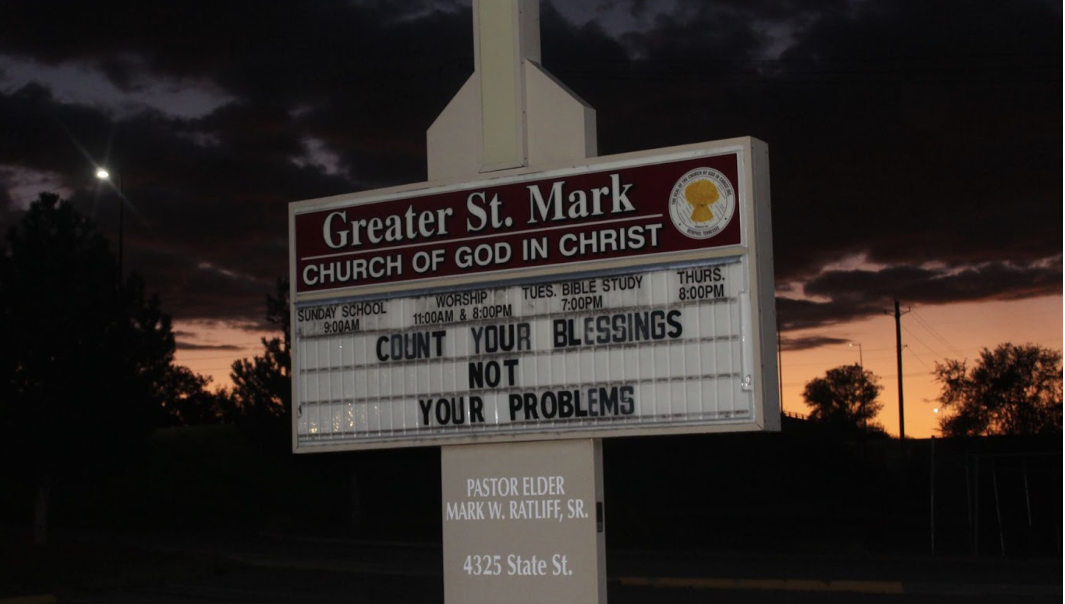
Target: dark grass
72	568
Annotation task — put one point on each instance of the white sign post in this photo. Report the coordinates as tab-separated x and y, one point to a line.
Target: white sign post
527	302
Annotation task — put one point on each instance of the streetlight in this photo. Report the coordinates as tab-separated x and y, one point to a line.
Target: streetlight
861	384
103	174
859	345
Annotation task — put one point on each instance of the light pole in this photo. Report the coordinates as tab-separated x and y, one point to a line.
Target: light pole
116	182
103	174
861	383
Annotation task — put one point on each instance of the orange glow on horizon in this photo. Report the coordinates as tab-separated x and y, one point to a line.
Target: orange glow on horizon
218	346
930	334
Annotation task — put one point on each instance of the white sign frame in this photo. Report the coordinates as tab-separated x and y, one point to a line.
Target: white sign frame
749	255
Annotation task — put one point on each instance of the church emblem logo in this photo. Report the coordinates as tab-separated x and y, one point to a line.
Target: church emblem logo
702	203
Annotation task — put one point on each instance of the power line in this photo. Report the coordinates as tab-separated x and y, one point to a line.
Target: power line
914	336
935	333
916	356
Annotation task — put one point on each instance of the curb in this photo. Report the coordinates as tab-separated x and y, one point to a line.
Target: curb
846	586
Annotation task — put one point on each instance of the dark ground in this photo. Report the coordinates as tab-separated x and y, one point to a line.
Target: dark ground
209	515
186	568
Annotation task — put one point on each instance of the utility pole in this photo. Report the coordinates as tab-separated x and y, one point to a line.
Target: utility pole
898	357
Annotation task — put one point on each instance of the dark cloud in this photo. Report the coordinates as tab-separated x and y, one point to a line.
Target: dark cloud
994	280
189	346
810	343
920	137
899	132
842	295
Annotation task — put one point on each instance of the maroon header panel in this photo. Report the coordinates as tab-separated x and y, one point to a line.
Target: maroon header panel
524	222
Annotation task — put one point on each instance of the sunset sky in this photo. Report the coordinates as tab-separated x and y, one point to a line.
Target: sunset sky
915	147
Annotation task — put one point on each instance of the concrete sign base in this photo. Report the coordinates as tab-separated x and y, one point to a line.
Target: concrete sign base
523	523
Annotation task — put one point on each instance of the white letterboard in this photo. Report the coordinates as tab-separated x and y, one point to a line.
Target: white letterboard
665	347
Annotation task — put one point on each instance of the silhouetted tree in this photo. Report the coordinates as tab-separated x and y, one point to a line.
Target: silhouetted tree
83	352
1011	390
846	398
262	386
188	400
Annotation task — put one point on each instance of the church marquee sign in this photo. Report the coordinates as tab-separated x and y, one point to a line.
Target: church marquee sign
628	295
